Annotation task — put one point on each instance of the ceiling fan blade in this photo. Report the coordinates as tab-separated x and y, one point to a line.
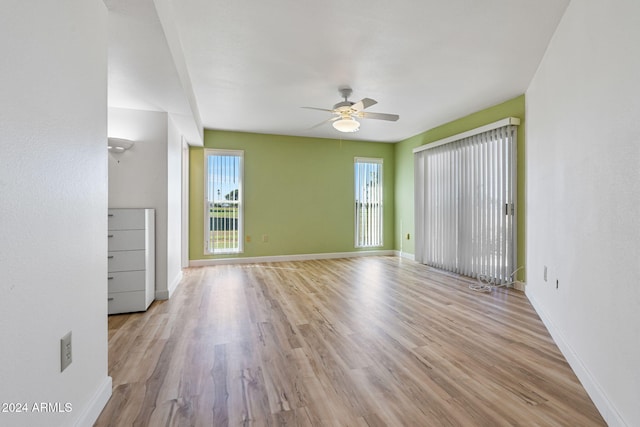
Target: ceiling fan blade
378	116
319	109
364	103
323	122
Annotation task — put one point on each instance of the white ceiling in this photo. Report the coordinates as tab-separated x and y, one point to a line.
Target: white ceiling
250	65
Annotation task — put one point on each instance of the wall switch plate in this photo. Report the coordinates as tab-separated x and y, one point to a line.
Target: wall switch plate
265	238
65	351
248	239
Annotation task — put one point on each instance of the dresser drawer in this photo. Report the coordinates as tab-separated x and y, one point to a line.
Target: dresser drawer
126	219
126	261
126	281
126	302
126	240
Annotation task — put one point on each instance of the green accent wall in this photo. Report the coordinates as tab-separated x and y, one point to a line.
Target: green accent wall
404	207
298	191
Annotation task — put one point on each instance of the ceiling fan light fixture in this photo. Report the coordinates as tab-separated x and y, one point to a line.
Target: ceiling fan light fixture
346	124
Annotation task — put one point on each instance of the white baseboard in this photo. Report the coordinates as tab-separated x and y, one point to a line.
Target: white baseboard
405	255
174	284
166	294
95	406
284	258
595	392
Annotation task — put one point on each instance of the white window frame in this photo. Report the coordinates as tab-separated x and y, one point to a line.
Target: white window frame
375	237
208	249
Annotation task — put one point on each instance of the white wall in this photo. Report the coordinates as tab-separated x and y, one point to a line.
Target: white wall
185	204
583	196
53	206
174	206
138	177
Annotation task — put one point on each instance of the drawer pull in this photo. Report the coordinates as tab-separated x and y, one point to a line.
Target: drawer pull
110	256
110	278
110	299
109	235
110	215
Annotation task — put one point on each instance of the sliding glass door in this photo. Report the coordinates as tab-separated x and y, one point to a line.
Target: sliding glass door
465	192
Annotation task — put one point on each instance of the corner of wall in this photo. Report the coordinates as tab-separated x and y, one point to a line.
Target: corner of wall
166	294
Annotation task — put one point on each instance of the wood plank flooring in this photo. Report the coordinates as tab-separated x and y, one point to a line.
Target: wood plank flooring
374	341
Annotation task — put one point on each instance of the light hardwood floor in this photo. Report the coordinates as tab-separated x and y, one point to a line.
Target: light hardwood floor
369	341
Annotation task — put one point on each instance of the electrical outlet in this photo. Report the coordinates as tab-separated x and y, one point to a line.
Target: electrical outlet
65	351
545	273
265	238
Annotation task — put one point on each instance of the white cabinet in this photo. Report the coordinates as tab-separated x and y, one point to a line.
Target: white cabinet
131	259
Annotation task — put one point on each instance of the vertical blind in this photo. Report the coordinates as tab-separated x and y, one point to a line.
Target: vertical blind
465	213
223	204
368	201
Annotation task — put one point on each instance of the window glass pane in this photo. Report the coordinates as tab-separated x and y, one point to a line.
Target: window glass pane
223	205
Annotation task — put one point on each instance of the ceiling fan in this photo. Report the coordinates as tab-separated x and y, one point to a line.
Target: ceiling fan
347	112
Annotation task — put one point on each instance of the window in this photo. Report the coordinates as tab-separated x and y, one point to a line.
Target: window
368	200
223	201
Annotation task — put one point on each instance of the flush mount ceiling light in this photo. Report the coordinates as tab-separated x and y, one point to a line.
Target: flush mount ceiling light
347	124
119	145
347	112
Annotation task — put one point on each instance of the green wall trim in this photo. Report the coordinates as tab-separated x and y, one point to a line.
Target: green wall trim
404	188
297	191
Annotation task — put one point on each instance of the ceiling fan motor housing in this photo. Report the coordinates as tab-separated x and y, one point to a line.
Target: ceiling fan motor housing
345	91
343	105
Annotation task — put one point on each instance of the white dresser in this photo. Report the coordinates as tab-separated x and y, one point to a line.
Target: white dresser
131	259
